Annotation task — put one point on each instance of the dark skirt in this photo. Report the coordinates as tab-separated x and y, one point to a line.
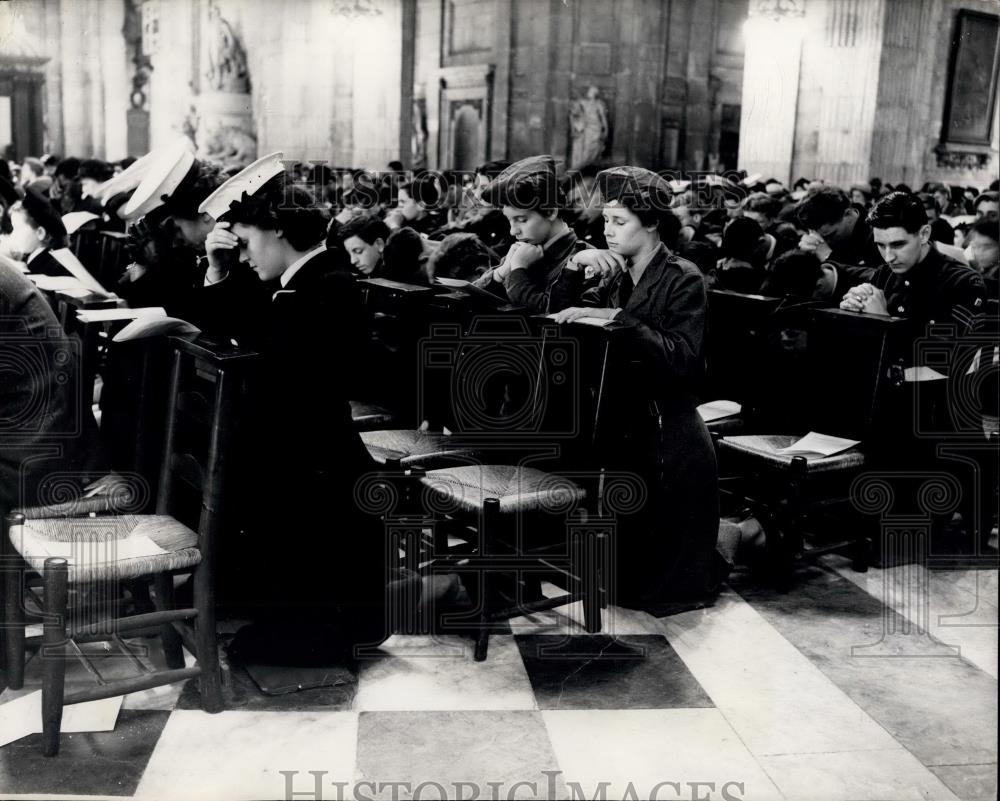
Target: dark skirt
666	551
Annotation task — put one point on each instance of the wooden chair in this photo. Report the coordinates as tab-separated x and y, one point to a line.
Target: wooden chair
103	547
844	388
528	523
735	343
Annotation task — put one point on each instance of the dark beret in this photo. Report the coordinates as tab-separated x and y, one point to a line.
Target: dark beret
634	187
530	183
41	211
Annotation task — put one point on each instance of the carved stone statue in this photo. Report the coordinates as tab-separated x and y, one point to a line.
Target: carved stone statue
227	60
229	146
589	128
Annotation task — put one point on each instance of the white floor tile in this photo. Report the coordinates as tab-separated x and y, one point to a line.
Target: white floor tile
240	755
647	747
861	776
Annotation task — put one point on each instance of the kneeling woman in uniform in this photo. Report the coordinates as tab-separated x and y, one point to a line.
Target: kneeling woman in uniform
319	558
667	552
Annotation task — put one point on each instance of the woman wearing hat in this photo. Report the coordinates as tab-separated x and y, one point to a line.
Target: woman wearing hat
36	231
530	197
668	553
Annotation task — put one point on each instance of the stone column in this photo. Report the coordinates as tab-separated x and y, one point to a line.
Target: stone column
771	86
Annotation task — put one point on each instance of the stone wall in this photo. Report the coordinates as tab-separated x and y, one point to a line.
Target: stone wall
322	86
665	70
86	89
871	80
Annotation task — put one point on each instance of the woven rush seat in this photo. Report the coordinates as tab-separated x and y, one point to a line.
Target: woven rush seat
414	447
99	548
519	489
370	416
767	446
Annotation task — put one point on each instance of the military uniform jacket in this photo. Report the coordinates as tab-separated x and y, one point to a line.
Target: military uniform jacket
666	314
530	287
670	551
937	290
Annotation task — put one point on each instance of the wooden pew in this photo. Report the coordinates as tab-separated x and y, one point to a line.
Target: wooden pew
849	385
735	342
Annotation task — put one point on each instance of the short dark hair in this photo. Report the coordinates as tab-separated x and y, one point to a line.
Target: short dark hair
366	227
68	167
423	189
763	203
289	209
899	210
793	275
929	201
987	226
96	169
741	239
202	179
824	206
401	257
985	197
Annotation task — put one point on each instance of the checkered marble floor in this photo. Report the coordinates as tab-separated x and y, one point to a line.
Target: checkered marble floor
828	691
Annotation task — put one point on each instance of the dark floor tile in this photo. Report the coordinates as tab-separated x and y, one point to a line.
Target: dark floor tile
598	672
936	704
97	763
969	782
241	692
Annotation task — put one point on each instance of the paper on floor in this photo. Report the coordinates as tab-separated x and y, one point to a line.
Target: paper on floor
817	444
23	716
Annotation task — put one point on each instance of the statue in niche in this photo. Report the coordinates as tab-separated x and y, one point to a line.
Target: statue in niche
588	117
227	60
418	140
228	145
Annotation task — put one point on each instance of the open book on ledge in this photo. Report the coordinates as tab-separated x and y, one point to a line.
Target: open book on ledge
818	446
600	322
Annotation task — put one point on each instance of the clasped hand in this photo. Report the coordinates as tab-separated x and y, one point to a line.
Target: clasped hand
864	298
599	263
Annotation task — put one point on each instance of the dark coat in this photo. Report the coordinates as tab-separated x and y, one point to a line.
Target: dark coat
304	455
938	289
530	287
859	249
46	264
669	552
46	423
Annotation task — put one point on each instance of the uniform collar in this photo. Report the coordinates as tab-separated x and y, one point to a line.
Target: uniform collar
296	265
35	254
638	268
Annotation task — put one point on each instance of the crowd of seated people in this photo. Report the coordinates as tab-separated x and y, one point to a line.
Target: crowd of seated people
273	258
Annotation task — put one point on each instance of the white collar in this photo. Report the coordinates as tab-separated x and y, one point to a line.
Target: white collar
296	265
34	253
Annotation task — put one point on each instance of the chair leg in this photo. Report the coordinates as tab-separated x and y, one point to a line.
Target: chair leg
53	654
862	554
590	578
491	511
14	621
172	647
210	680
